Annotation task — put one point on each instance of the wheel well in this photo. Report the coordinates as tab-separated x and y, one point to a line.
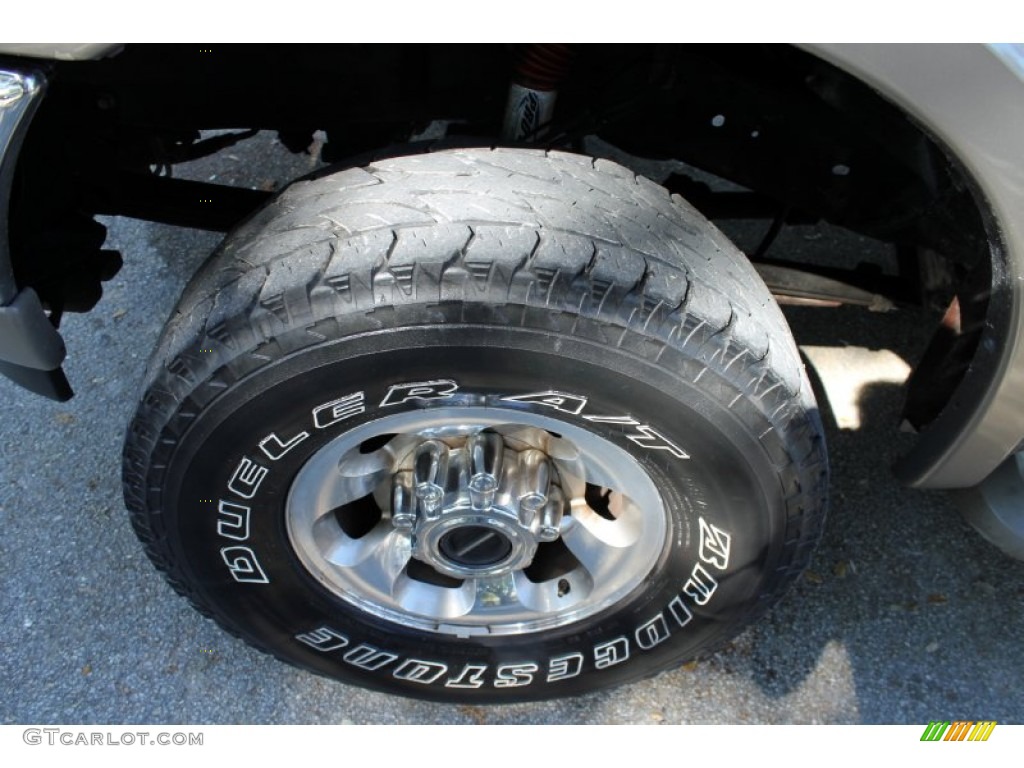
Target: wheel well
804	140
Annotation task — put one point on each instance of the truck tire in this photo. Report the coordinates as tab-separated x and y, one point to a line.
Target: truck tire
478	426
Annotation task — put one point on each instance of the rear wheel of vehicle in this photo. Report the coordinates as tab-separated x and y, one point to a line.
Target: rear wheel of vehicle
478	425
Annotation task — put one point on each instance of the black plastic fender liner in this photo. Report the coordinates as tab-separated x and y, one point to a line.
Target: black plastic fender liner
27	338
31	350
50	384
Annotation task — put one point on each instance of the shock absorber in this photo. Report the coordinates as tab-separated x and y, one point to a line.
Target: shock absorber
538	70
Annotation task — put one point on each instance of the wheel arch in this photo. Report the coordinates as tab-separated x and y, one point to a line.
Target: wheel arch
943	89
971	100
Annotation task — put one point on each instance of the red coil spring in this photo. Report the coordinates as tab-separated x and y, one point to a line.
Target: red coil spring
541	66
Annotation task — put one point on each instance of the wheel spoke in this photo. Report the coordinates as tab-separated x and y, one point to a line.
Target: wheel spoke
513	528
596	473
340	549
337	491
554	594
359	475
495	593
621	532
432	600
376	558
386	458
591	551
597	543
577	469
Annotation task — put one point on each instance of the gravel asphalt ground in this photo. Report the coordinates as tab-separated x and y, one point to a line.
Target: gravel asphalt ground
905	616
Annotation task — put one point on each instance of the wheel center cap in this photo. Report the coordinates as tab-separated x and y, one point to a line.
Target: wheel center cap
473	546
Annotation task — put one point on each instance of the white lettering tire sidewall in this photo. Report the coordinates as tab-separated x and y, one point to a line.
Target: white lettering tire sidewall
726	534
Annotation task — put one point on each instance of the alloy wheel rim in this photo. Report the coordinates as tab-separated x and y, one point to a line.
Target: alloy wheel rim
466	520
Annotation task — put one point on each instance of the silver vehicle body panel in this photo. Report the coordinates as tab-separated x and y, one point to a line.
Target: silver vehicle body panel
61	51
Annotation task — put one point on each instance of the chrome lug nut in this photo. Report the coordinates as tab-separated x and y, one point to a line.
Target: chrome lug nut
534	479
551	516
403	502
430	471
486	451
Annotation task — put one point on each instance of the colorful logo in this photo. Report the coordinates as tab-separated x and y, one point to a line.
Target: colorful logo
958	730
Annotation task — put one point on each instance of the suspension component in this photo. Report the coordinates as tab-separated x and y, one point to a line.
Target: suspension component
539	69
